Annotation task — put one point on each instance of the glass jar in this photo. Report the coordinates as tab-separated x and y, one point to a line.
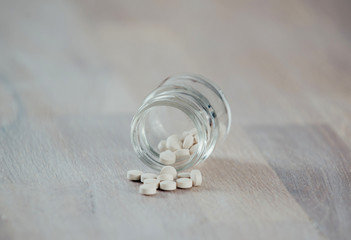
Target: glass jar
180	103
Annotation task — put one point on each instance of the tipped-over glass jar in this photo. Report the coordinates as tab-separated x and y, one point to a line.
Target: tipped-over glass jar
181	103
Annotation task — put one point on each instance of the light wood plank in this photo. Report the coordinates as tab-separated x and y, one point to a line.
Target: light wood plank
83	192
314	164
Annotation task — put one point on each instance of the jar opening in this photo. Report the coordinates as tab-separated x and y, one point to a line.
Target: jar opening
202	105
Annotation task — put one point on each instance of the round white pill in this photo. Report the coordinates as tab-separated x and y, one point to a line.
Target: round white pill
184	183
188	141
168	185
184	175
173	143
169	170
152	181
147	176
147	189
184	134
162	146
165	177
196	177
182	154
167	157
193	149
134	175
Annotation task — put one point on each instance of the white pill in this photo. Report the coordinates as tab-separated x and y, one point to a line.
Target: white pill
134	175
182	154
193	149
188	141
184	183
167	157
173	143
168	185
147	176
162	146
184	175
165	177
147	189
184	134
169	170
193	131
196	177
152	181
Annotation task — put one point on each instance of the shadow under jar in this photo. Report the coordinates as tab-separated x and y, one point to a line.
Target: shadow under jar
180	103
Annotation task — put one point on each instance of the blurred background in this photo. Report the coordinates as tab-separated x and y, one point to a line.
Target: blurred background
275	60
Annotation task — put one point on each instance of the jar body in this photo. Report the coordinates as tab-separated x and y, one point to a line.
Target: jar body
180	103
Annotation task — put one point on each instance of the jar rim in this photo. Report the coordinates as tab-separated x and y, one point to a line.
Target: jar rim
201	100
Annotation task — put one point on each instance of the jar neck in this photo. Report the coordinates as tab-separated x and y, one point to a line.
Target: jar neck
195	106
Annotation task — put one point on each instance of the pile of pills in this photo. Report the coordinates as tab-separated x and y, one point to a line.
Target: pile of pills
167	180
178	148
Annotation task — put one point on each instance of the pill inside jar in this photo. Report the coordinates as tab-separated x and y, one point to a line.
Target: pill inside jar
180	122
165	127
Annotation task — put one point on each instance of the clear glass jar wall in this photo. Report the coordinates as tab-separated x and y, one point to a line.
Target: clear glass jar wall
180	103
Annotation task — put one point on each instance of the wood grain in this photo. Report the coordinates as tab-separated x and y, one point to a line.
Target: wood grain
318	177
72	73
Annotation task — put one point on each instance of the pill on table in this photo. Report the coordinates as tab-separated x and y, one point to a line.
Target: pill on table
162	146
196	177
188	141
134	175
147	176
184	175
173	143
152	181
167	157
182	154
184	183
168	185
165	177
147	189
193	149
169	170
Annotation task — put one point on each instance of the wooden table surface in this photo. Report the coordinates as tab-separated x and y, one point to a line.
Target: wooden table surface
72	73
